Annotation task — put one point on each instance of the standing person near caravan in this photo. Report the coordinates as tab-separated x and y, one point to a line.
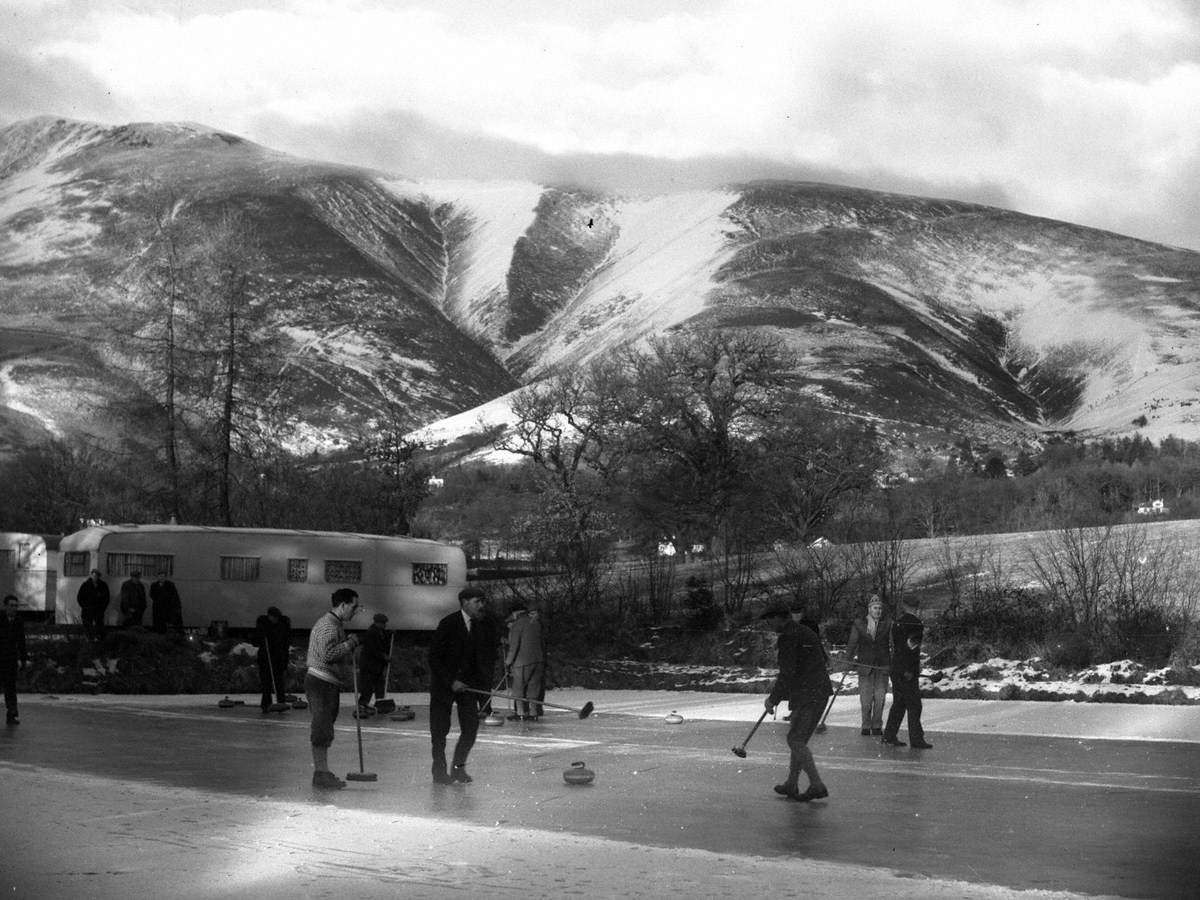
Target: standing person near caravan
273	638
907	633
12	656
804	682
133	601
536	616
372	663
329	649
462	655
525	663
868	646
93	602
166	609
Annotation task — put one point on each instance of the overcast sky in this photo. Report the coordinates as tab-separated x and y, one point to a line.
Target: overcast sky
1085	111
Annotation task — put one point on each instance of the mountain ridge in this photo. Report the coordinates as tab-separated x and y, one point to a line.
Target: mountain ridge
432	299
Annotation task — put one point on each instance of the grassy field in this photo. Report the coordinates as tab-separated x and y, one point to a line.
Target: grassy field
1010	559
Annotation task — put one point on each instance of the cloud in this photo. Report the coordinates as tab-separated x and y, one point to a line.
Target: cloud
1084	111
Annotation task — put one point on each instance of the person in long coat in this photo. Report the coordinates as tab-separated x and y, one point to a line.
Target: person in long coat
133	601
869	647
166	609
373	658
273	637
93	599
13	655
525	663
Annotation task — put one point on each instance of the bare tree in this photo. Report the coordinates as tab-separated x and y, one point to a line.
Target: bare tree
695	404
564	428
822	577
242	355
153	309
1073	566
888	564
810	464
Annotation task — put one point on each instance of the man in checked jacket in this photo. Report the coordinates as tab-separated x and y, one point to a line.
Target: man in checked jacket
329	651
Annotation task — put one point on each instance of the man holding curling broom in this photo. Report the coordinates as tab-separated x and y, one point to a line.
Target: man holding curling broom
329	649
804	682
461	659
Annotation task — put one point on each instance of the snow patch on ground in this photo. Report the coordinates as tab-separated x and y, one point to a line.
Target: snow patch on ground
994	679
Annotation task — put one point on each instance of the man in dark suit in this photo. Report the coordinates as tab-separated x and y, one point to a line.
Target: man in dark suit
462	655
907	634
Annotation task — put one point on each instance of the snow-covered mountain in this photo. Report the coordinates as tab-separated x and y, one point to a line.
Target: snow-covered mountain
438	298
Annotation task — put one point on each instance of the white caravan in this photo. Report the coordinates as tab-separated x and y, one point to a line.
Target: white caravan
29	569
232	575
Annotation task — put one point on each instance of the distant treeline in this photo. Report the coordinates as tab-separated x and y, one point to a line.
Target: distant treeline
1069	482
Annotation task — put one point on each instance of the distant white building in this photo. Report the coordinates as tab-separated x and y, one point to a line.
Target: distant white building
435	482
1152	508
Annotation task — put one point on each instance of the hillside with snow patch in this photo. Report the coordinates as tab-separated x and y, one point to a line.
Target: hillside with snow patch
435	300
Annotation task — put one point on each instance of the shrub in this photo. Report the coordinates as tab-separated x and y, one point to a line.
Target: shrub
1010	692
703	614
1007	618
1069	650
1144	634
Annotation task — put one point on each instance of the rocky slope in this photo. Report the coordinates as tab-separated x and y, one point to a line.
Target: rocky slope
927	316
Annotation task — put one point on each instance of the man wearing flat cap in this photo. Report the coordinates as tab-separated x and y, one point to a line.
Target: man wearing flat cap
804	682
461	656
907	634
372	663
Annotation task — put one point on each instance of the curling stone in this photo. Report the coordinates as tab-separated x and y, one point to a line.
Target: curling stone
493	719
403	714
578	774
229	704
674	718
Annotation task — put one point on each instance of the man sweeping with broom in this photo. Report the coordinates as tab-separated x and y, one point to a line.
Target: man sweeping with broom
272	637
804	682
373	659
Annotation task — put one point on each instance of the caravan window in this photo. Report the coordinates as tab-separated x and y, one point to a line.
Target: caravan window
343	571
430	573
75	562
149	564
8	558
297	570
239	568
